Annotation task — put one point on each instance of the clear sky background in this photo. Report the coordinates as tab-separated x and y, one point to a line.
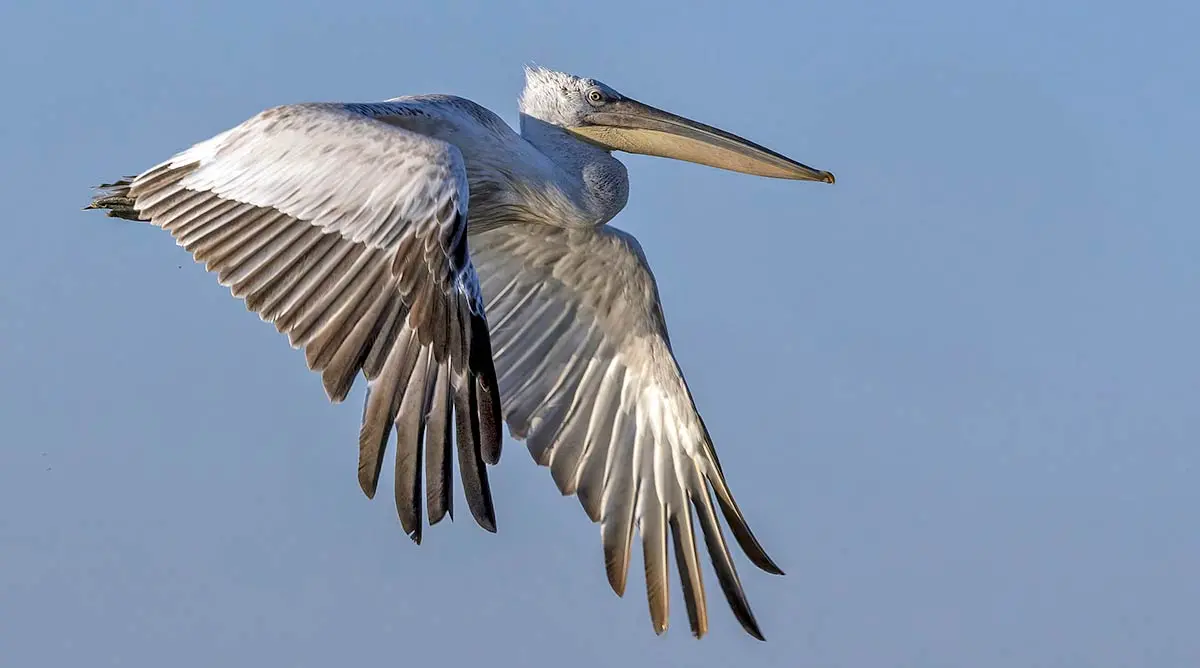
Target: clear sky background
957	394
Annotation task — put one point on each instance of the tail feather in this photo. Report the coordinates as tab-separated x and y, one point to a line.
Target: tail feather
115	198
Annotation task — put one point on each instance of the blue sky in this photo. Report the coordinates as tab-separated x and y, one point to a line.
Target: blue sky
956	394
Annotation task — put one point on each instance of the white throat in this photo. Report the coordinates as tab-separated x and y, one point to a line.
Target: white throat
596	183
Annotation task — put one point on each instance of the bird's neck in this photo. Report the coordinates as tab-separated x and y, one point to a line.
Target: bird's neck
595	182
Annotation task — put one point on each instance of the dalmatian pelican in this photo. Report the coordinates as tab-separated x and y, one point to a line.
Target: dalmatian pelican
469	273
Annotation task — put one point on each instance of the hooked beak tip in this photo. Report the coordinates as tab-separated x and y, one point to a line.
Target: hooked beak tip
828	177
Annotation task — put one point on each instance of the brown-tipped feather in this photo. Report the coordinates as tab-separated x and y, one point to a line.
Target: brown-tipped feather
439	474
393	324
340	328
379	412
315	318
426	295
410	424
654	555
439	321
283	268
342	368
688	562
616	527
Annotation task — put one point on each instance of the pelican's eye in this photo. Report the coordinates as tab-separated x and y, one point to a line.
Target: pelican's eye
596	96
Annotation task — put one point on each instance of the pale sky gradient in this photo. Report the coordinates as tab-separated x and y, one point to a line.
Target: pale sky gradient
957	394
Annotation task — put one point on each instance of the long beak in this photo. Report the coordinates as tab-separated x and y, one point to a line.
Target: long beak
630	126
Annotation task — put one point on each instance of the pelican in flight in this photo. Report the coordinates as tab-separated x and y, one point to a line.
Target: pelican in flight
469	274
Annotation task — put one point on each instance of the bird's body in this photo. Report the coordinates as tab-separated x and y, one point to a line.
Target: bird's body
462	267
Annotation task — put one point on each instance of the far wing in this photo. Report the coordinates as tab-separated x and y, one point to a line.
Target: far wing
588	379
349	235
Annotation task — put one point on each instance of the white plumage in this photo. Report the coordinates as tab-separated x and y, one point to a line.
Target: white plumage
377	236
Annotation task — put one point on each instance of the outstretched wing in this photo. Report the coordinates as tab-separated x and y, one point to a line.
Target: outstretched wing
588	380
349	234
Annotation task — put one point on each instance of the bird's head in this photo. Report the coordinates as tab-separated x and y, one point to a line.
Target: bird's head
597	114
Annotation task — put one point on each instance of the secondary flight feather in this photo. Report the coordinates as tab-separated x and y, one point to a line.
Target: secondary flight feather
470	275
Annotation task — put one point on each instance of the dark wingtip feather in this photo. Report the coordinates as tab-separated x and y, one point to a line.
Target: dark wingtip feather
471	466
616	566
751	627
745	537
654	559
415	534
722	560
115	198
371	447
590	499
616	527
366	483
733	515
688	563
379	412
410	432
487	391
439	472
